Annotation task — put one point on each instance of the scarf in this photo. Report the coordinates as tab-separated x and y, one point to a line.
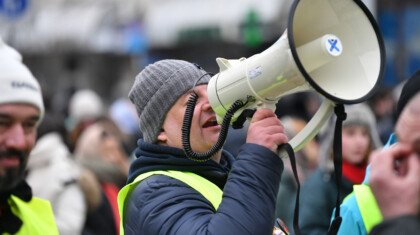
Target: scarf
354	173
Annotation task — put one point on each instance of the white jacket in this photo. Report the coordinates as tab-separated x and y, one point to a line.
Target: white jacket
52	175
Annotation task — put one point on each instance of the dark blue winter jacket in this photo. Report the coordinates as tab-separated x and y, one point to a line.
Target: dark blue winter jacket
163	205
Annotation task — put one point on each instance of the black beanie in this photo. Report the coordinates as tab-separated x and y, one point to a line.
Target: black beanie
409	90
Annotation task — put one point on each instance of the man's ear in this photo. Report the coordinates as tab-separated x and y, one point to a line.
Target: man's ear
162	137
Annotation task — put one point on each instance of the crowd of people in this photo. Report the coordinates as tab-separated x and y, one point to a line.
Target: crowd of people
122	169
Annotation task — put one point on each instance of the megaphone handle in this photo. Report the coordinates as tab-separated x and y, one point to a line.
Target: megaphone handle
312	127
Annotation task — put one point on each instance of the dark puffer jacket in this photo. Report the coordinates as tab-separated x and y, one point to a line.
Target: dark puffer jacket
163	205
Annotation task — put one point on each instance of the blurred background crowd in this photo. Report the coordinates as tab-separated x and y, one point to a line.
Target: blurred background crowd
87	53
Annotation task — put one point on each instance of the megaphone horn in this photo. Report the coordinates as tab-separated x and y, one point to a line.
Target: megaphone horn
333	47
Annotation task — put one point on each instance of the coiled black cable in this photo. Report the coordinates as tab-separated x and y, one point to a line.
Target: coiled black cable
186	128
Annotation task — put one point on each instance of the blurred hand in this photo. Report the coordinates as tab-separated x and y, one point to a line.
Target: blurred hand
266	130
396	188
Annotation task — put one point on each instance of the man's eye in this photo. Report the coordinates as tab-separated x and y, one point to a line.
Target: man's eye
4	123
29	126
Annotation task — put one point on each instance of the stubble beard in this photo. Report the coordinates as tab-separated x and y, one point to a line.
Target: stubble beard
12	176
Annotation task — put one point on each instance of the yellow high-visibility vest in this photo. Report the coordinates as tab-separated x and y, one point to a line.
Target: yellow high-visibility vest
368	206
36	215
209	190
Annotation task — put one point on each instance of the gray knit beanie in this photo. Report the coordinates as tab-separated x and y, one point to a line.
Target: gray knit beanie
158	87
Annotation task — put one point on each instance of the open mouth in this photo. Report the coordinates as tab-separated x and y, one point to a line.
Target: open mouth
210	123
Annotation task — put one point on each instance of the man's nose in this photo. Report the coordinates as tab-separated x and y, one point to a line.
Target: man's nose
16	137
206	106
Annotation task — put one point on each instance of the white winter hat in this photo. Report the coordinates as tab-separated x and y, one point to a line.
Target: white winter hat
17	84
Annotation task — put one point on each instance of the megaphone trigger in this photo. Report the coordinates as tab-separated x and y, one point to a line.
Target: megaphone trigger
239	123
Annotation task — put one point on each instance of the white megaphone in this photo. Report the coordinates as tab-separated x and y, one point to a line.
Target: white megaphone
331	46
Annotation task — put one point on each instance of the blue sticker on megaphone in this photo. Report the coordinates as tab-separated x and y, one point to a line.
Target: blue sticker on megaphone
334	45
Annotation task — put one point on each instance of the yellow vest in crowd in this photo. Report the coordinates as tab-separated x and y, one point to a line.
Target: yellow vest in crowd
209	190
36	215
369	209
